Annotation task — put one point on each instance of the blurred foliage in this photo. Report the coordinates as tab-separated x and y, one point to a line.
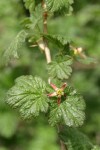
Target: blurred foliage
83	27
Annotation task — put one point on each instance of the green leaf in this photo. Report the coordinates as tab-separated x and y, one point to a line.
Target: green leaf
60	68
58	40
14	46
33	24
71	110
8	124
75	140
57	5
29	95
36	19
30	4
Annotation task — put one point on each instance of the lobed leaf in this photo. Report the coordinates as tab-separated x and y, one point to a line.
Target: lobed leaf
70	112
57	5
57	40
14	46
29	4
75	140
28	94
60	68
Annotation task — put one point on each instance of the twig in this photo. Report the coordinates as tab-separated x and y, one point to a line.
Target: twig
63	146
46	49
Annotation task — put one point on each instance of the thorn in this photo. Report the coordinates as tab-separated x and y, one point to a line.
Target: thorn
33	45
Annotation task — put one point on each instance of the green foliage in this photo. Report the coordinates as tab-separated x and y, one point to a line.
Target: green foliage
33	24
3	148
75	140
83	29
60	68
87	60
57	5
8	124
43	138
30	4
96	148
71	110
58	40
28	95
14	46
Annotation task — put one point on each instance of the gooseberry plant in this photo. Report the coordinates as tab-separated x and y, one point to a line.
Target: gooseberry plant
62	104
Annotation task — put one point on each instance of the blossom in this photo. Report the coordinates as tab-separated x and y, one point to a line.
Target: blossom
58	92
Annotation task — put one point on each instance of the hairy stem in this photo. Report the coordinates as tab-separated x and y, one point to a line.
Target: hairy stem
63	146
46	49
47	52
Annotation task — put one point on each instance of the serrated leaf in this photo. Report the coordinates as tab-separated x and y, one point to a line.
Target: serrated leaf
36	19
70	112
30	4
57	5
75	140
33	24
60	68
57	40
28	94
14	46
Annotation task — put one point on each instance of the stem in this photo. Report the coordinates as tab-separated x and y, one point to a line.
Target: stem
63	146
47	53
46	49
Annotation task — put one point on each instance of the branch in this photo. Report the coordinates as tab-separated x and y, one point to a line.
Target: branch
47	52
63	146
46	49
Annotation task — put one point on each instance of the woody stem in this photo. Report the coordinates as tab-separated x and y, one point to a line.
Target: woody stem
46	49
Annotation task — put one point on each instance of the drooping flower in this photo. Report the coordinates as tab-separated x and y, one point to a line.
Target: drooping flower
58	92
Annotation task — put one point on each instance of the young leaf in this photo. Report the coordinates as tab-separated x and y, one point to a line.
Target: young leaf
60	68
57	5
28	94
70	112
14	46
58	40
33	24
75	140
36	19
29	4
